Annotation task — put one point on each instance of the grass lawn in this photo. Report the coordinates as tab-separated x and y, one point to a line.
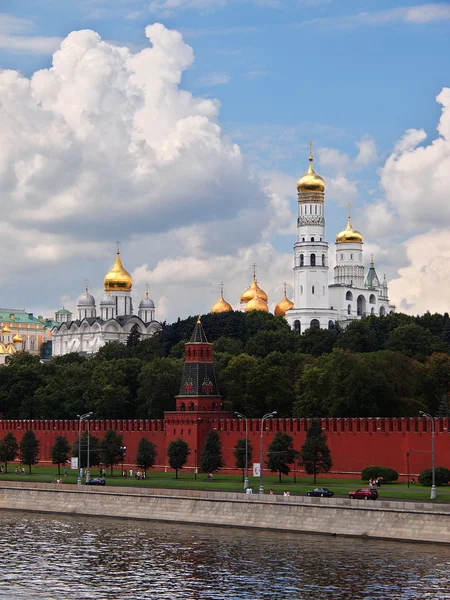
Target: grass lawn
233	483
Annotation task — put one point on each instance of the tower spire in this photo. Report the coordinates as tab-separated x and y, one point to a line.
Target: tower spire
146	290
118	247
86	285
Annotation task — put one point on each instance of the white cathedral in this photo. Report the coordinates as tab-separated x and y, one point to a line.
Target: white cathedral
89	332
352	295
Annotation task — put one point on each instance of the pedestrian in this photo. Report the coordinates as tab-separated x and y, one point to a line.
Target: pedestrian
271	491
286	493
249	490
65	472
131	472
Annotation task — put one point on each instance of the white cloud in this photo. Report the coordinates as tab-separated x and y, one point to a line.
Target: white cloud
215	79
16	34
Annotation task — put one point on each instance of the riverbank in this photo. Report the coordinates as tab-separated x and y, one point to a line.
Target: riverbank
406	521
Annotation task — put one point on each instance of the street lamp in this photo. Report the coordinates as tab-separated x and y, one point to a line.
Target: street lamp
433	473
261	484
241	416
82	418
123	451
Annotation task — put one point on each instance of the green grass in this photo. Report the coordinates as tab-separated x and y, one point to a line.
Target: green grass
233	483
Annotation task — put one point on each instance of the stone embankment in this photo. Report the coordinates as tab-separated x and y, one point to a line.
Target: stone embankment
408	521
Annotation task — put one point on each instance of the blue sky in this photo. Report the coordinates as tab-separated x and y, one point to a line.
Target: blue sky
284	72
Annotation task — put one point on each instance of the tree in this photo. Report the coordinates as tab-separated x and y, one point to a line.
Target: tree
315	455
177	453
239	454
281	454
94	450
111	449
60	451
415	341
159	382
29	449
146	454
211	456
134	337
9	449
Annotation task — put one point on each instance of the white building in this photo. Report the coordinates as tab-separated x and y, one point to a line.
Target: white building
352	295
115	320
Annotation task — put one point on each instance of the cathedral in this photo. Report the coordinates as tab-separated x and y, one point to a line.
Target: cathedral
89	332
317	303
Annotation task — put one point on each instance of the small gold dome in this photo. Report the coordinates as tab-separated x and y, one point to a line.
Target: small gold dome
254	289
283	306
118	278
221	306
349	234
310	181
6	329
17	339
257	303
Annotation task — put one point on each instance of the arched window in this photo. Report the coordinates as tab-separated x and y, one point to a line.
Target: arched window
297	327
312	289
191	407
349	310
312	260
372	311
342	257
315	324
351	256
349	296
182	407
302	260
323	260
382	311
372	299
361	306
303	239
330	324
32	344
312	239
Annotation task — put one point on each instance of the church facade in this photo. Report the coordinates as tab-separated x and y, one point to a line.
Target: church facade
90	331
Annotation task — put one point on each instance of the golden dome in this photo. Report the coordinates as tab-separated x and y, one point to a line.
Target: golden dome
283	305
221	305
118	278
310	181
257	303
254	289
6	329
17	339
349	234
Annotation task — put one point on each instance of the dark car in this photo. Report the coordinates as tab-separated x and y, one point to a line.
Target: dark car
321	492
96	481
364	494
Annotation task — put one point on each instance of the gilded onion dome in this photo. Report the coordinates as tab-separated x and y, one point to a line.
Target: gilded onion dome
254	289
284	305
310	181
6	329
17	339
349	234
118	278
257	303
221	305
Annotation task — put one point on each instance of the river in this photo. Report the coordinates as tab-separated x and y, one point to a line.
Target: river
71	557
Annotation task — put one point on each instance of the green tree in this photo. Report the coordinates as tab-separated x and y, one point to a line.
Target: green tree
111	449
94	450
281	454
415	341
229	345
239	455
60	452
29	449
146	454
9	449
211	458
358	337
315	455
159	383
177	453
134	337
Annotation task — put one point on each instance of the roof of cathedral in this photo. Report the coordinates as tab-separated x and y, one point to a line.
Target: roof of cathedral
63	311
121	319
372	279
18	316
310	181
198	335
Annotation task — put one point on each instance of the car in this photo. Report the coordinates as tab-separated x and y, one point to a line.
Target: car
96	481
321	492
364	494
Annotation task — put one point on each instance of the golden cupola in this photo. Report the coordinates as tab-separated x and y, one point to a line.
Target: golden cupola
310	181
17	339
349	235
118	277
6	329
256	303
254	289
284	305
221	306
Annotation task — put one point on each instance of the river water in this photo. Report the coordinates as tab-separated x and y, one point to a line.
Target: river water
72	557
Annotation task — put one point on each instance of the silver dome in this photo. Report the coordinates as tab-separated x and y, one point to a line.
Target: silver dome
107	300
146	303
86	299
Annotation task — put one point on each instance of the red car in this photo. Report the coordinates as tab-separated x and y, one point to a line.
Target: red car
364	494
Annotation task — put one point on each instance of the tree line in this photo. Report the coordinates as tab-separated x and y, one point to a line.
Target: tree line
385	366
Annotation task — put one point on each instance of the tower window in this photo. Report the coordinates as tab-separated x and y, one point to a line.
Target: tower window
321	239
323	260
301	289
312	239
315	209
313	289
303	239
349	310
324	290
351	256
342	257
297	327
313	260
302	259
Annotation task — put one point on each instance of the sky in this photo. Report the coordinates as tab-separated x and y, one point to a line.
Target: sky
180	128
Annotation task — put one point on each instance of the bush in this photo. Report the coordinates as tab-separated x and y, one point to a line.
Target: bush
442	475
387	474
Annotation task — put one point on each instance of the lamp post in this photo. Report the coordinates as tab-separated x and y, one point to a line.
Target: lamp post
123	450
261	483
433	472
241	416
195	464
81	418
407	465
